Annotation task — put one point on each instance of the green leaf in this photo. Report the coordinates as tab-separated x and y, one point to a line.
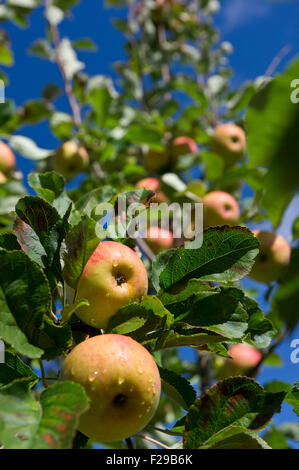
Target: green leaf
85	44
61	125
144	134
100	93
28	297
68	311
227	254
235	437
144	321
50	186
80	243
272	123
13	335
275	438
28	148
41	48
177	388
46	424
295	229
14	370
293	398
34	111
87	203
235	401
48	226
9	242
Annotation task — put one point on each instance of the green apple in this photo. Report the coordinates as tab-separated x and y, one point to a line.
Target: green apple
159	239
113	276
229	141
220	208
123	384
152	184
7	159
273	258
184	145
70	159
156	161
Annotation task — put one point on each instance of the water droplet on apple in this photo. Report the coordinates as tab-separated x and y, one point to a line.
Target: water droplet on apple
140	370
96	372
140	416
120	380
91	378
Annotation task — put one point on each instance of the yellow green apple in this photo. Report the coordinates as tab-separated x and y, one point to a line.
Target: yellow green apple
220	208
7	159
229	141
123	384
273	258
70	159
113	276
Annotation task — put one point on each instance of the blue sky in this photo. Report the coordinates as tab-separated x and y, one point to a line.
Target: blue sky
258	29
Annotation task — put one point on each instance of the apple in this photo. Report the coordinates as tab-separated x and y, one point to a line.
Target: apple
71	159
113	276
220	208
184	145
229	141
123	384
244	356
159	239
273	258
3	178
155	161
152	184
7	159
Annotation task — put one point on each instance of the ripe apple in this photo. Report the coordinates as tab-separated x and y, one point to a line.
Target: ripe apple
229	141
244	356
159	239
184	145
7	159
273	258
152	184
3	178
156	161
122	382
220	208
113	276
70	159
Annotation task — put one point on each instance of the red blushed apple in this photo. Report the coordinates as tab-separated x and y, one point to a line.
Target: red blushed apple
152	184
155	161
113	276
7	159
71	159
220	208
244	356
184	145
159	239
229	141
123	384
273	258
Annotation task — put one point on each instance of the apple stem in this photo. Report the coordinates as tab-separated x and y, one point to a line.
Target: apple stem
129	443
154	441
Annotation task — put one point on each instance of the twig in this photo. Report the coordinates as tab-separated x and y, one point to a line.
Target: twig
43	378
129	443
145	248
67	83
204	367
277	59
154	441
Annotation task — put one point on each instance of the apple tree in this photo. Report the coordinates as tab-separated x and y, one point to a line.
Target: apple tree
92	319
